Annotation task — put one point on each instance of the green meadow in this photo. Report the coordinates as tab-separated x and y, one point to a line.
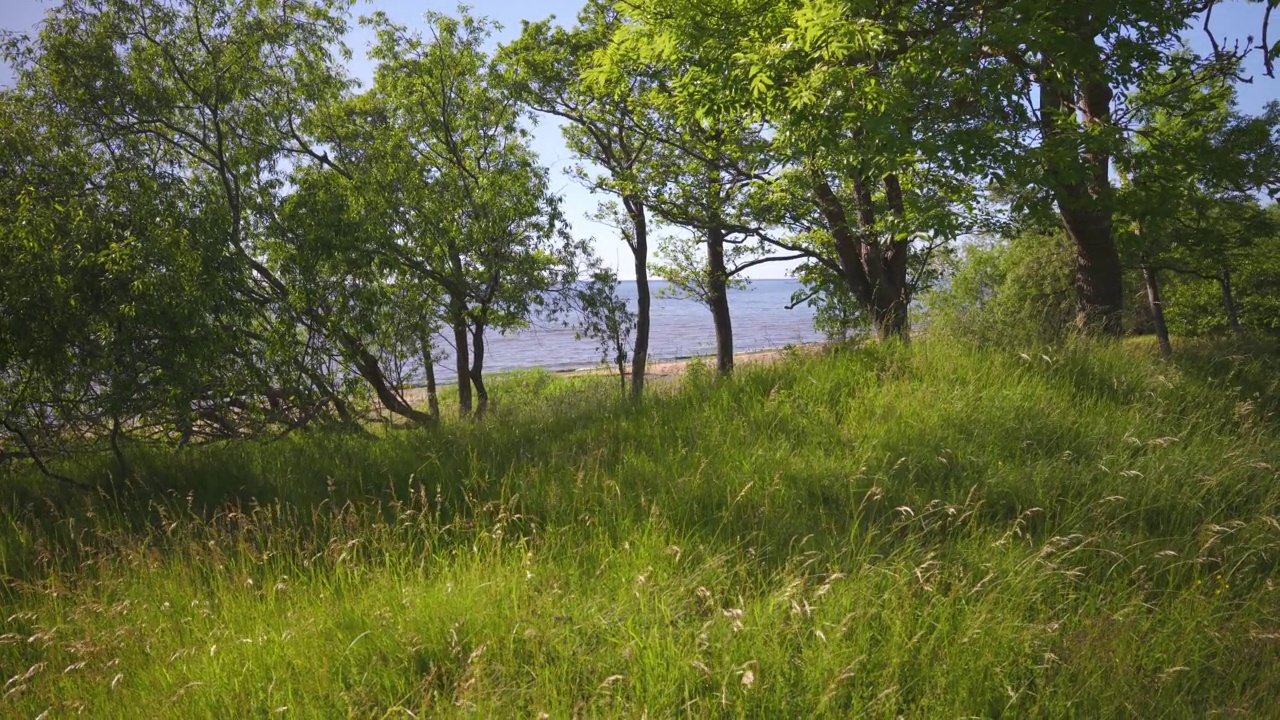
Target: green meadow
931	530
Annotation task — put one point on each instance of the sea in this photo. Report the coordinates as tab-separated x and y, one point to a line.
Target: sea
681	328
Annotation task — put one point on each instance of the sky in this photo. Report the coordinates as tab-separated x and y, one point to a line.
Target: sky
1233	20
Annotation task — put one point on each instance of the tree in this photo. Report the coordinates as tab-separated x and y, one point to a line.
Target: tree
704	175
165	127
449	167
1191	152
604	128
863	102
600	315
869	98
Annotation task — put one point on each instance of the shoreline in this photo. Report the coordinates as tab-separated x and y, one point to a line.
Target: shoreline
674	367
659	370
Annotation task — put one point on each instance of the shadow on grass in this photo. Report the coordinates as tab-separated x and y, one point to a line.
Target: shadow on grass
886	443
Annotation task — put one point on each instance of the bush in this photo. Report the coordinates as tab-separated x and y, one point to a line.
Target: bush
1194	305
1016	290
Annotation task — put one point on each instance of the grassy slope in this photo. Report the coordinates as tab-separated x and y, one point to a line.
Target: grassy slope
933	531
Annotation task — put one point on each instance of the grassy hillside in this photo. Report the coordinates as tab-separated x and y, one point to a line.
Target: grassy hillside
933	531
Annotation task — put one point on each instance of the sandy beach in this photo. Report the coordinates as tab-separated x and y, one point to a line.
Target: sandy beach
656	370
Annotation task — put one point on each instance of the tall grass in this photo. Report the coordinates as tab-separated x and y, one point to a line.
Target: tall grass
919	531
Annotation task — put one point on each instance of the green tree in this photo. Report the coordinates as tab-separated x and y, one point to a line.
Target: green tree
869	98
443	154
604	128
1193	154
167	126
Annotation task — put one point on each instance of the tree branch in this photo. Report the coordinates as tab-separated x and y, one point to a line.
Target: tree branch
35	458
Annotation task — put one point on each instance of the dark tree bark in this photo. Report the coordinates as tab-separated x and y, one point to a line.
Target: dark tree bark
876	274
370	369
477	368
1151	277
1082	188
1229	301
896	291
121	463
640	251
718	300
462	353
429	369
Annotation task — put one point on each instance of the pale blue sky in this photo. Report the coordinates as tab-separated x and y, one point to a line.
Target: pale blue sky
1232	20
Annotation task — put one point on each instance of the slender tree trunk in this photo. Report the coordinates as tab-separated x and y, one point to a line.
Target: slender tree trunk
462	353
718	300
371	370
1150	277
640	250
477	369
1082	189
429	369
622	376
1229	301
121	463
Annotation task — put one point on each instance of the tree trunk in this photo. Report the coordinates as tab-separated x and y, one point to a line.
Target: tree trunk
326	390
1099	277
718	301
462	354
477	369
876	275
1229	301
121	463
429	369
370	369
640	250
1149	276
1082	189
895	322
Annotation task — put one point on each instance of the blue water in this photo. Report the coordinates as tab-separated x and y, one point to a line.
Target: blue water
681	328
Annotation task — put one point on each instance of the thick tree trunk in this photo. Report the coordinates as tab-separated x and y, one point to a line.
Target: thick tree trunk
876	275
429	369
1149	276
1082	189
718	301
896	295
462	354
1229	301
1099	277
640	250
477	369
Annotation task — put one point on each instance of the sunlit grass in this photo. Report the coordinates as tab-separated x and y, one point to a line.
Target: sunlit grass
920	532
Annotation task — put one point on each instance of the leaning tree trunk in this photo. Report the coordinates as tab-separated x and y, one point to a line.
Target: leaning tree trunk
370	369
1150	277
1082	189
477	369
718	300
640	250
1229	301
